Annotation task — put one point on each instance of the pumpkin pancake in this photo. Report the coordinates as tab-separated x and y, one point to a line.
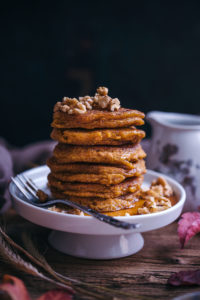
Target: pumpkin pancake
107	178
100	204
98	119
133	210
130	185
89	168
119	136
123	155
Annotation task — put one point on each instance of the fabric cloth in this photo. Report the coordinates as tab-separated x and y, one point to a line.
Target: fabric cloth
15	160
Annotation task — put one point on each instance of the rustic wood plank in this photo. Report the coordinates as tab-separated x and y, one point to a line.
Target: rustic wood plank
143	275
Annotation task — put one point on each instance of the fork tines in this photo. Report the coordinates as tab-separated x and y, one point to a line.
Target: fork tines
28	185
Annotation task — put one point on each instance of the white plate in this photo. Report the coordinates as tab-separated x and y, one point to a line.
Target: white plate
87	237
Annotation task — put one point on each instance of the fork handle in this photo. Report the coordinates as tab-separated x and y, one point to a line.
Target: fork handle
101	217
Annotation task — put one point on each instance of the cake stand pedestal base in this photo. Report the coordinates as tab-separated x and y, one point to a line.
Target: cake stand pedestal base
96	246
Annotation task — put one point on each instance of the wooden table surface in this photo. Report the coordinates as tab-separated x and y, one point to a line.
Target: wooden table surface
143	275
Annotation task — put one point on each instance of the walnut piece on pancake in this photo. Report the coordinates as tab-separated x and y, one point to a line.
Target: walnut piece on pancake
114	104
70	106
102	90
101	101
157	197
87	101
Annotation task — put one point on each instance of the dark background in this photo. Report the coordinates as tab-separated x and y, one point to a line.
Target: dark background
146	52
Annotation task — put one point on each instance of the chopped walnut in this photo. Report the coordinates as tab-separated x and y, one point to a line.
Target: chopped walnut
88	105
101	100
114	104
87	101
81	106
43	197
143	211
103	91
72	102
156	197
163	185
76	111
54	208
65	108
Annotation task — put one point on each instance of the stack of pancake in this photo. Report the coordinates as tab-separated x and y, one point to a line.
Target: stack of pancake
98	161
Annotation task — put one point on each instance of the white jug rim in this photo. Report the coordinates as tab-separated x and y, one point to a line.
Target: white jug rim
174	120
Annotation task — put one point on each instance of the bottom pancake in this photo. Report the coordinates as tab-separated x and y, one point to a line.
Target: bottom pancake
96	190
122	212
99	204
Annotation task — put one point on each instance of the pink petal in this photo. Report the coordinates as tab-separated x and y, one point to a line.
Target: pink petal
188	226
185	278
56	295
15	288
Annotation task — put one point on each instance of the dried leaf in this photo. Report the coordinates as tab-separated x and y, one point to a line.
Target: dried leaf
185	278
188	226
55	295
12	257
15	288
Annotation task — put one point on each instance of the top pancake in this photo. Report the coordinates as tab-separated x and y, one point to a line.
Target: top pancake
98	119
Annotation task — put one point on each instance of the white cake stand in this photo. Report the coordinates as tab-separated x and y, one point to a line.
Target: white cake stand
86	237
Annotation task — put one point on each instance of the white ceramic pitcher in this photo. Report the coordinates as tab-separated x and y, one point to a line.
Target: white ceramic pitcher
175	151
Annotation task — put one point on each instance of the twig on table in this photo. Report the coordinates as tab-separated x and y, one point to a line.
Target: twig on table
18	262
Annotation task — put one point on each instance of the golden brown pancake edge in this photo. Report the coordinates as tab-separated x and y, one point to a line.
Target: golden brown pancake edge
119	136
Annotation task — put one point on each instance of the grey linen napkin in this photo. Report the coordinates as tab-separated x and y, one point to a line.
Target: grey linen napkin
15	160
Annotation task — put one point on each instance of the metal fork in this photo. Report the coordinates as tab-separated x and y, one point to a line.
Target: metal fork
29	190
